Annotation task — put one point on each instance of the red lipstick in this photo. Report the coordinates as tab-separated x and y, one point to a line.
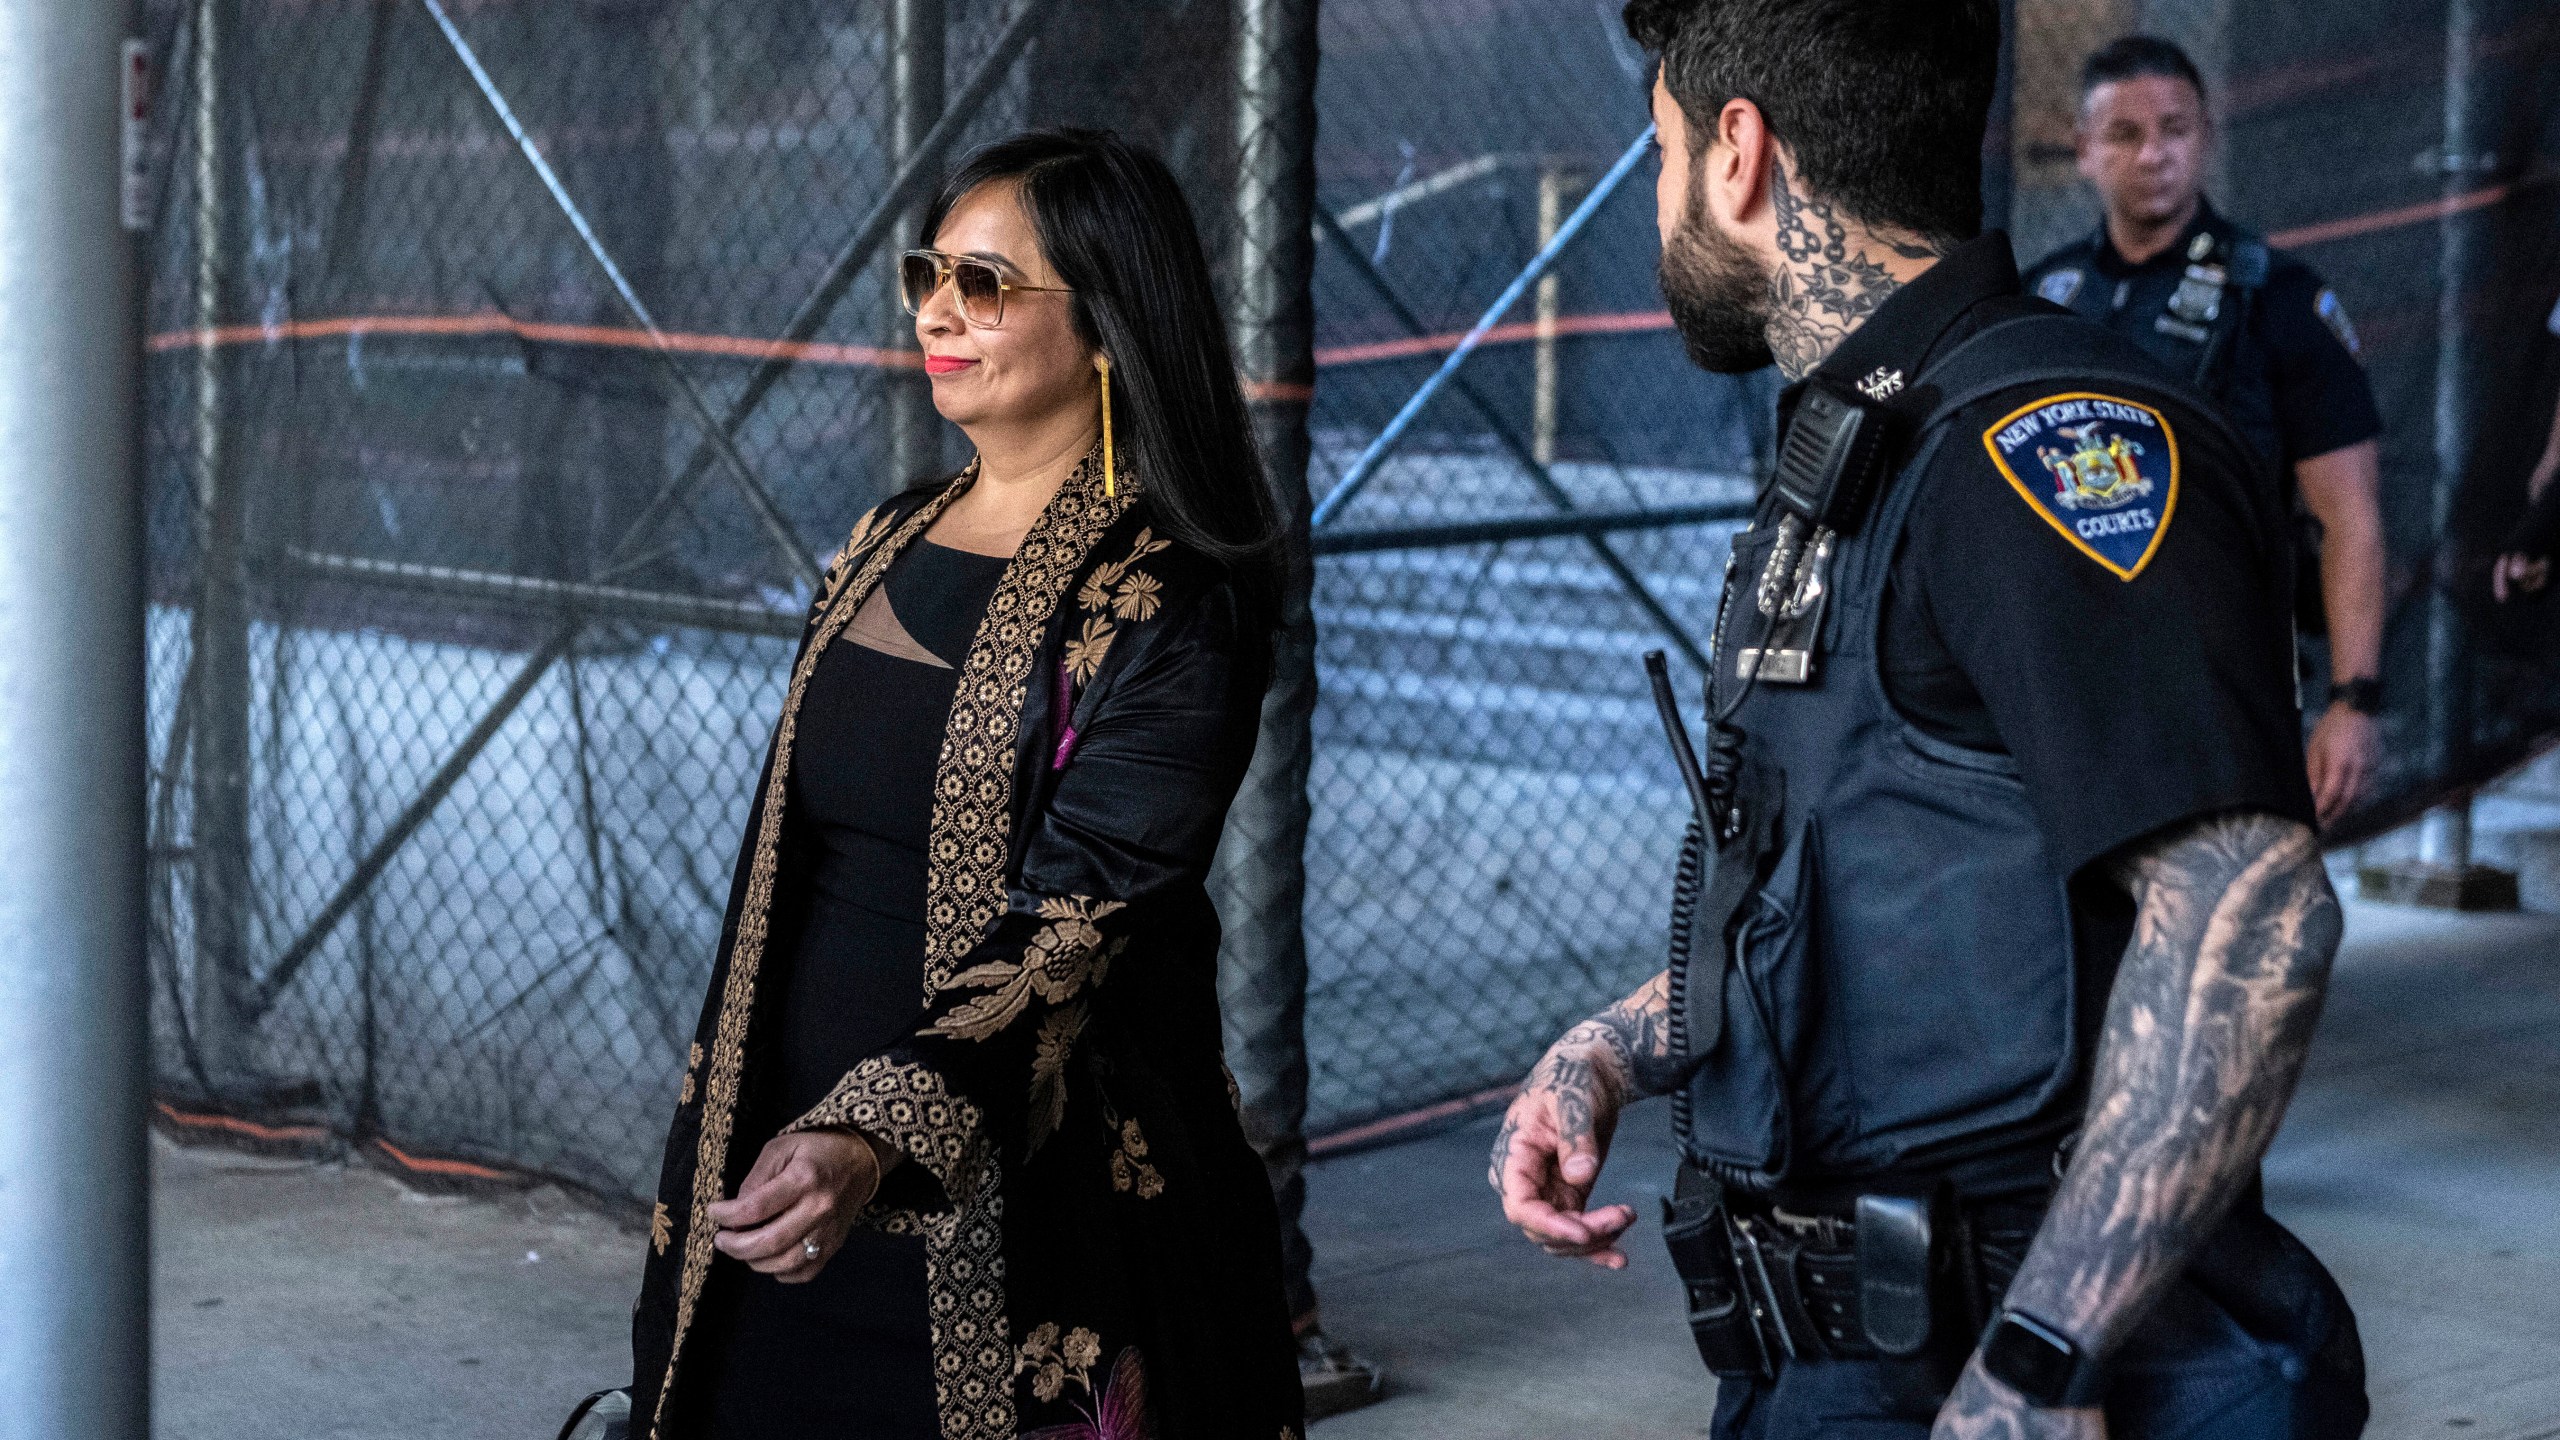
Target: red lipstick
945	364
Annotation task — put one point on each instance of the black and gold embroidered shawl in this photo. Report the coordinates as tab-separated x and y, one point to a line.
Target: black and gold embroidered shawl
1101	1247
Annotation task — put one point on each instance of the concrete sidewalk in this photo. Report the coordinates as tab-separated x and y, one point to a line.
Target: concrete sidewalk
2422	1161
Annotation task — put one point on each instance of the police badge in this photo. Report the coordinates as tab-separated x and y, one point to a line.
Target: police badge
2060	286
2106	473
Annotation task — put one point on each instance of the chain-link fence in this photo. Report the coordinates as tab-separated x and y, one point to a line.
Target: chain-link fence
1495	814
477	559
510	361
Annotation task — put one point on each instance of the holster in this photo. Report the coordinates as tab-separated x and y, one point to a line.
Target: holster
1695	1229
1901	1277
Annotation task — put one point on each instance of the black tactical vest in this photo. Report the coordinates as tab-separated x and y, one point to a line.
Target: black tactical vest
2202	329
1879	979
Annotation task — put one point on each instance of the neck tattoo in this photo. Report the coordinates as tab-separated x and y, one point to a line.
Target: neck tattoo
1827	283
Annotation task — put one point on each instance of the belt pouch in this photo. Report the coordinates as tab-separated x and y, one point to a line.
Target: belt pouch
1693	1229
1898	1238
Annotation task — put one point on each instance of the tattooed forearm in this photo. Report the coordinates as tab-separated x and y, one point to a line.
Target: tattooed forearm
1828	279
1627	1046
2206	1031
1639	1030
1596	1067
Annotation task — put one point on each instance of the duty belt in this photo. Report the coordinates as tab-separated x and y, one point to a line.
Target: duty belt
1900	1276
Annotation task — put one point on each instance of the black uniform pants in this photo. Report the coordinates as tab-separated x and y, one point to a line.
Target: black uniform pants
2255	1343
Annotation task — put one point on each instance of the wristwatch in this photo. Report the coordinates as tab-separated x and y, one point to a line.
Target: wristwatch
2039	1362
2362	695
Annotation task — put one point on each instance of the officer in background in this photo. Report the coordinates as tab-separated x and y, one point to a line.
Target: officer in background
1988	982
2257	330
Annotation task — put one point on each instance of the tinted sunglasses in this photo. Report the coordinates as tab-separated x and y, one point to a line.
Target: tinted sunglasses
977	284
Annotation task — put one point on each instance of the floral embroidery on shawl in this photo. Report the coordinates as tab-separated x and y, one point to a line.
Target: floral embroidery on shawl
1065	957
1119	1408
1117	588
1057	1041
1129	1167
1052	1360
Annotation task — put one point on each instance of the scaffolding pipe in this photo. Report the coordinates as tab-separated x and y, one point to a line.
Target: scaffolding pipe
584	601
2446	837
1361	471
1330	230
1259	880
1503	529
218	630
1548	376
917	43
74	1005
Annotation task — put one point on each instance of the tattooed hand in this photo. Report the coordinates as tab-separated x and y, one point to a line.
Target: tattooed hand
2206	1031
1553	1140
1984	1409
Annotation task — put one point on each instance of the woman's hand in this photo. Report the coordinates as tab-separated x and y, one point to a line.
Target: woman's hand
792	1211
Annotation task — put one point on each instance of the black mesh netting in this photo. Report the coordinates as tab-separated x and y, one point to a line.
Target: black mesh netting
472	596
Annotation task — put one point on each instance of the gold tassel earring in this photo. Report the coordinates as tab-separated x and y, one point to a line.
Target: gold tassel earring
1109	487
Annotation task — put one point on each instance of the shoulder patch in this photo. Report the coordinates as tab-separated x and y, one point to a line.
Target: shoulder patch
2101	470
2060	286
2334	315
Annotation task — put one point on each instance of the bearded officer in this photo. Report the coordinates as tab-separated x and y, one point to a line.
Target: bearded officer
1989	982
2259	332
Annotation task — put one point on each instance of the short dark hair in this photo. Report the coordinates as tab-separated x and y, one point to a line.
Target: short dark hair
2136	55
1882	103
1114	224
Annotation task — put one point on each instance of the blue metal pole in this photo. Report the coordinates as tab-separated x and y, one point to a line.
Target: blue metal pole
1371	458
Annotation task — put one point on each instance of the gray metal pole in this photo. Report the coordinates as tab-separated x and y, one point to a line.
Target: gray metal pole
917	35
2445	837
1260	880
74	1171
219	628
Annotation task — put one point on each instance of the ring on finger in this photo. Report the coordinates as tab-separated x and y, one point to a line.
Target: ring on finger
809	1246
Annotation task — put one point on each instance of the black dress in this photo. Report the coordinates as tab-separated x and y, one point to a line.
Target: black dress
850	1352
1101	1249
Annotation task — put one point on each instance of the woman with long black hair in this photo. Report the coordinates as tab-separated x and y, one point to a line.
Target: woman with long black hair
955	1155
